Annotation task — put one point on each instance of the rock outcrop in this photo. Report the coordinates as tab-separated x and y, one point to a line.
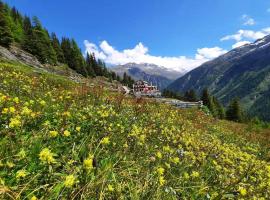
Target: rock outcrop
18	55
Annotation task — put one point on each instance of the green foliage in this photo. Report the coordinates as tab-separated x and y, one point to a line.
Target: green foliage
257	124
89	65
170	94
42	45
57	48
5	32
28	43
78	62
207	100
212	103
127	80
16	24
219	110
191	96
73	56
234	111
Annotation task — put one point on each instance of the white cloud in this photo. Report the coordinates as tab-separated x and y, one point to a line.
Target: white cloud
140	54
266	30
209	53
239	44
247	35
94	49
248	21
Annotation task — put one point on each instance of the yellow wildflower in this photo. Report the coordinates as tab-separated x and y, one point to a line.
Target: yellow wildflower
78	128
53	133
46	156
167	149
66	133
16	100
33	115
158	154
186	175
175	160
70	181
26	111
47	123
2	182
5	111
21	174
66	114
160	171
12	109
10	164
34	198
15	122
161	180
88	163
105	140
22	154
110	188
195	174
43	103
242	191
142	138
125	145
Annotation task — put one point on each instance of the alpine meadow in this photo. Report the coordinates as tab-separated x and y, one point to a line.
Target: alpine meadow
107	123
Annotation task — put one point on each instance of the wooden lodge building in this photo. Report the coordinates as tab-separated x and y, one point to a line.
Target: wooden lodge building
143	88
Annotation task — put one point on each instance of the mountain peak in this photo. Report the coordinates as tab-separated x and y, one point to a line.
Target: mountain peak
243	72
159	75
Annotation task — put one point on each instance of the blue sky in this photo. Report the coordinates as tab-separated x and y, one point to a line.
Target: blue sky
188	30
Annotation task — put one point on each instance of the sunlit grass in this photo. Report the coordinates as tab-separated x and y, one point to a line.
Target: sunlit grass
61	140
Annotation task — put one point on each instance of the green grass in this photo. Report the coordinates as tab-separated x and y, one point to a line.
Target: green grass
62	140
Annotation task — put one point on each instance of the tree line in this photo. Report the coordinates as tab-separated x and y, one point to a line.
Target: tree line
31	36
233	112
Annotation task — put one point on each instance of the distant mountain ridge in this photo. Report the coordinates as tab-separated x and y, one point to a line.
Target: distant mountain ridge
157	75
243	72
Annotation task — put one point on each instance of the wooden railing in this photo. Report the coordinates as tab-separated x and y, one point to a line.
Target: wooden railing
181	104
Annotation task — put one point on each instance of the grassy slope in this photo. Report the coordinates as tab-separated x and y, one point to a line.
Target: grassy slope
118	148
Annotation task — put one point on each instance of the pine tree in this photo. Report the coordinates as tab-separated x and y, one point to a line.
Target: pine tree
125	79
207	100
73	56
27	43
37	41
5	32
89	66
42	47
234	111
57	48
100	67
77	61
190	96
218	109
118	78
105	71
96	66
113	75
66	48
16	24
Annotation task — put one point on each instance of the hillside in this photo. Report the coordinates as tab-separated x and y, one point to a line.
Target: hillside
151	73
65	140
243	72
